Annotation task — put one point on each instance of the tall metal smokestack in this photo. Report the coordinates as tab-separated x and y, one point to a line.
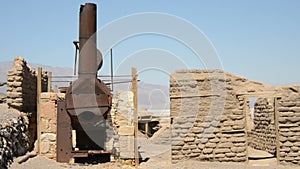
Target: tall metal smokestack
87	40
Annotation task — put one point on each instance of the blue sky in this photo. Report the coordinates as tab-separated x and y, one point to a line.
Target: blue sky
258	39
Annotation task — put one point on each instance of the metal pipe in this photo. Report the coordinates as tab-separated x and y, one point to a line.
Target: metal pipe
87	40
76	49
111	70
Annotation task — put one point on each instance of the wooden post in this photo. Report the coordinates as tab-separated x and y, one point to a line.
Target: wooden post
147	128
276	120
55	89
134	89
49	81
246	127
38	94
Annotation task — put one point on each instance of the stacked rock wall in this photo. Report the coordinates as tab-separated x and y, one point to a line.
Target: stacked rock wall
208	110
22	92
48	123
263	135
22	86
123	123
208	120
288	109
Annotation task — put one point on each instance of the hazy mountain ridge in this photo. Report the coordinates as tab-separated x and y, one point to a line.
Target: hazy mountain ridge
151	96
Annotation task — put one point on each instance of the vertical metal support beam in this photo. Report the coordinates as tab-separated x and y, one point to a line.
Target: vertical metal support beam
49	81
38	95
276	116
64	135
111	70
134	89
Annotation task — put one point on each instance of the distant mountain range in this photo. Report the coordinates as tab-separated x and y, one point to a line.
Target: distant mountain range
151	96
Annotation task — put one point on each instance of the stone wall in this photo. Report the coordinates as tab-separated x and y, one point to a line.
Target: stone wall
208	109
22	86
22	91
14	140
263	135
288	109
122	121
201	129
48	123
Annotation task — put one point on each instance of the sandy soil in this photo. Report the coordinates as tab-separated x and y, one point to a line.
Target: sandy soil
161	161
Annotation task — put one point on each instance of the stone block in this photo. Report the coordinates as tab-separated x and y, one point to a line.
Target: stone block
189	139
48	110
126	130
203	140
214	140
197	130
220	155
241	154
225	145
211	145
222	150
230	155
207	150
201	146
50	137
44	125
44	147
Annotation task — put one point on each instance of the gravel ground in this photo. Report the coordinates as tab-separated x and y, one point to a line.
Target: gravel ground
161	161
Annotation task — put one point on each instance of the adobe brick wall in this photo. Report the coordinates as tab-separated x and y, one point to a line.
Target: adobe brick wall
22	92
22	86
202	129
208	108
288	109
263	134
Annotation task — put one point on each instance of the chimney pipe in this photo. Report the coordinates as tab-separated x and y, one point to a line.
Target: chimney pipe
87	66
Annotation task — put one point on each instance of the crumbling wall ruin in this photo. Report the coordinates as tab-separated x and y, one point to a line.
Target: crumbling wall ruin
208	109
22	91
288	109
201	129
123	123
263	135
22	86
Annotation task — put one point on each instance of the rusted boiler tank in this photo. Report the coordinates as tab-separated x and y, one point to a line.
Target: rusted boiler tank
88	99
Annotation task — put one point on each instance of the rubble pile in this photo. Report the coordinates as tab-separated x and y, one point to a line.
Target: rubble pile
14	140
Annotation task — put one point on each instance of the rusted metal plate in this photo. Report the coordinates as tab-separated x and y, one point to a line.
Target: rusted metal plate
64	134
